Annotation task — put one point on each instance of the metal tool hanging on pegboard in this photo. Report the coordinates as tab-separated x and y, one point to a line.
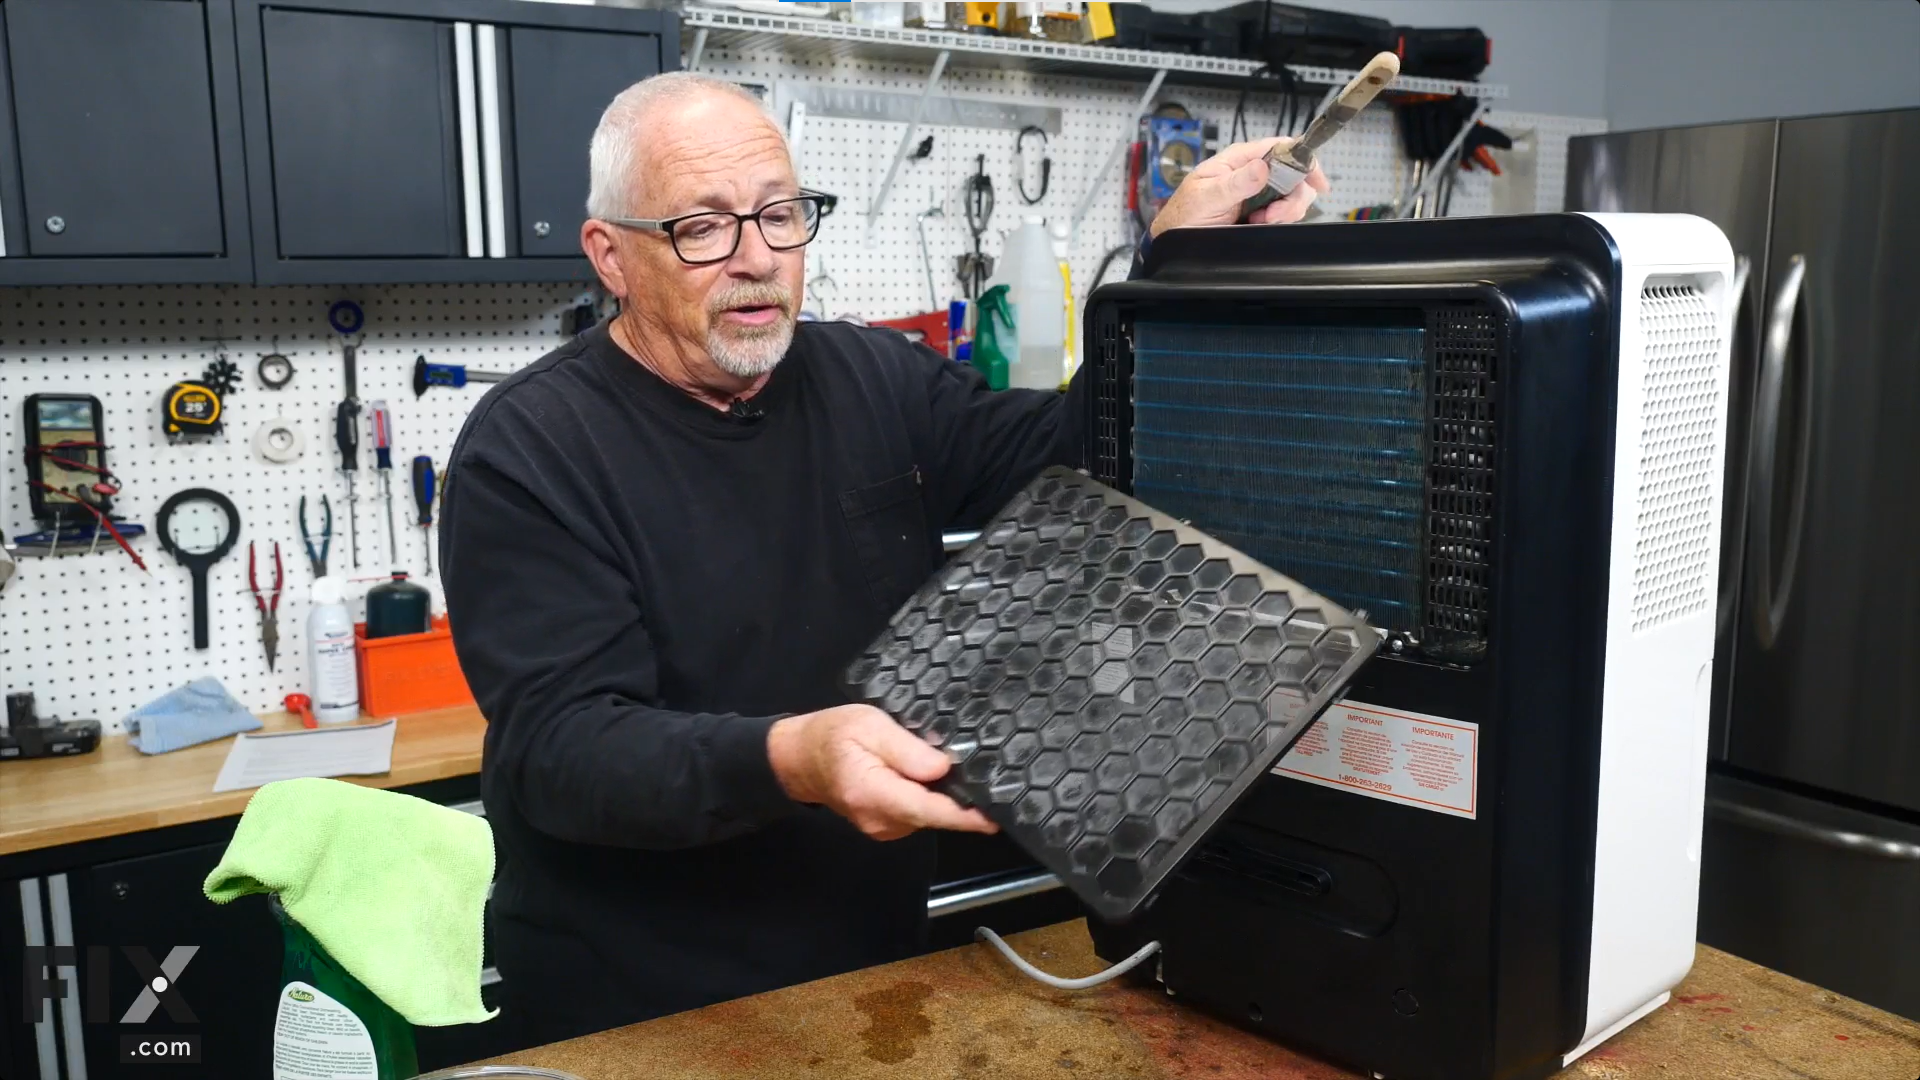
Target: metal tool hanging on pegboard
346	319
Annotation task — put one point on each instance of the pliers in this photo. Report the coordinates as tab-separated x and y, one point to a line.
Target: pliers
269	608
319	558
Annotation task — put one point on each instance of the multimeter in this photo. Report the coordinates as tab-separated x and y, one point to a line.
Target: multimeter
65	452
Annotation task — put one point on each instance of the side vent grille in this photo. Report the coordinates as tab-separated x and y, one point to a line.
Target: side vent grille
1106	464
1461	428
1674	549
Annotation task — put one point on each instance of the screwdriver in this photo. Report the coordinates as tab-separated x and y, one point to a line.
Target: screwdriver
423	501
383	461
346	436
427	375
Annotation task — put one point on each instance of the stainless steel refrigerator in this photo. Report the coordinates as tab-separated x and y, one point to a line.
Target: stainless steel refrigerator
1811	859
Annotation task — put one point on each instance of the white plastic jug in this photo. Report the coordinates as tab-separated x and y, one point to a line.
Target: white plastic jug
1028	267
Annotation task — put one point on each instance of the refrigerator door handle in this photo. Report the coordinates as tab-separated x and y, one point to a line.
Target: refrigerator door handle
1770	596
1736	318
1882	847
1737	289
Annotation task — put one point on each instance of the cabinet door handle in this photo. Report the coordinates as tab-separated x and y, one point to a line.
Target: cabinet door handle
33	930
464	93
488	68
61	912
1882	847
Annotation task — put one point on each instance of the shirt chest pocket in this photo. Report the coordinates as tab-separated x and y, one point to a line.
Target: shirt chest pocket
888	525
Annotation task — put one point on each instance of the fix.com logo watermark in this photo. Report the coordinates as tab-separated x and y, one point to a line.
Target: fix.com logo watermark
159	992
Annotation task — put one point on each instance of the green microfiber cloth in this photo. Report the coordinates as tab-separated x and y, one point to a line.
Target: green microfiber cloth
392	886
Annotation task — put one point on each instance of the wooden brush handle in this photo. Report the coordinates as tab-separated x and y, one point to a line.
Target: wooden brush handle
1357	95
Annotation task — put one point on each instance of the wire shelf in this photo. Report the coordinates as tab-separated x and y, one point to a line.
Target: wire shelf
812	38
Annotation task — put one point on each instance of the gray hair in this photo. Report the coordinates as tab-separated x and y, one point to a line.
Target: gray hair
610	155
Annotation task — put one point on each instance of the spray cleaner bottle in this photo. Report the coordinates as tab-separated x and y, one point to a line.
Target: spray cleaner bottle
327	1025
333	666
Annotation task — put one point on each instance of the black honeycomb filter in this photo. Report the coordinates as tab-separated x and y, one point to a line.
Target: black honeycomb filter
1107	681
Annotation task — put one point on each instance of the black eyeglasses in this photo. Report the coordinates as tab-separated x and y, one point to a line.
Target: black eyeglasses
713	236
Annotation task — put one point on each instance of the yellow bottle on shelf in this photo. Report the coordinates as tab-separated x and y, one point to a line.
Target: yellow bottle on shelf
1069	356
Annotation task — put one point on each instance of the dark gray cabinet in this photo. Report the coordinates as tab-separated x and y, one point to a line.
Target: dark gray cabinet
120	143
562	81
154	902
365	144
306	141
429	140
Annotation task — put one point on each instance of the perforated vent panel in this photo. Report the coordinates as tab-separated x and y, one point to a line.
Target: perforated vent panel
1460	476
1107	681
1674	546
1112	408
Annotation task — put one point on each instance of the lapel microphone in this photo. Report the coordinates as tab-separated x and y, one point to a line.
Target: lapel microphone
745	410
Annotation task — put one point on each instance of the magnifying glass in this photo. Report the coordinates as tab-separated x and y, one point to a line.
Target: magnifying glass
198	527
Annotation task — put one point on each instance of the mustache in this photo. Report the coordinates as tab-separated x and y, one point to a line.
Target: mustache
753	294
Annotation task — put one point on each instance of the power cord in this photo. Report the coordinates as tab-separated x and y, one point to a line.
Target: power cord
1057	982
1106	261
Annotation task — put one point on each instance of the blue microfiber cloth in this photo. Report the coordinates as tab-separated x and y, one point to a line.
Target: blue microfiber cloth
392	886
201	711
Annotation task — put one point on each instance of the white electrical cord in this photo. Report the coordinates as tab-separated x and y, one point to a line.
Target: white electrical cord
1055	981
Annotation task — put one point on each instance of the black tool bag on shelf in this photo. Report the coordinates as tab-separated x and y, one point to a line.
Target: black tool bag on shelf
1291	34
1137	26
1443	53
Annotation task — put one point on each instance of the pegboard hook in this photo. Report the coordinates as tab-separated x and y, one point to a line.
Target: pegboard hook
1113	156
906	141
819	279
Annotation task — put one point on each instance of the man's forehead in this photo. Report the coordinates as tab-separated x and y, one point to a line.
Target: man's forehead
690	161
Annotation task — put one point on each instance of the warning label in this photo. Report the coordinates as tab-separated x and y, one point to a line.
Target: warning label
1403	757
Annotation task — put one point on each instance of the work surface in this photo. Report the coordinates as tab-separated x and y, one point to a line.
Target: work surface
966	1013
117	789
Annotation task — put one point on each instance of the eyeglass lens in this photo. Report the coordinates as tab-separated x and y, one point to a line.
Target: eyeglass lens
783	225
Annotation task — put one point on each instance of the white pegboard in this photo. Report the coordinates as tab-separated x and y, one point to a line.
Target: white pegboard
1550	135
94	637
887	279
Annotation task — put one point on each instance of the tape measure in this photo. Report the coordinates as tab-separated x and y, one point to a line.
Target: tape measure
190	410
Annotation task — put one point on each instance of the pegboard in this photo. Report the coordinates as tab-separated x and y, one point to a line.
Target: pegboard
1549	135
887	278
93	637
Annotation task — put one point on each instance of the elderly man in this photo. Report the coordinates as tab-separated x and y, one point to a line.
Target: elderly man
663	541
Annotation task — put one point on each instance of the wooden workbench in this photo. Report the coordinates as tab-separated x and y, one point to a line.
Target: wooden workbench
116	789
966	1013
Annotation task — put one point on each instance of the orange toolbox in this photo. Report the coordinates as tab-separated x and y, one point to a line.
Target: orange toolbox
410	673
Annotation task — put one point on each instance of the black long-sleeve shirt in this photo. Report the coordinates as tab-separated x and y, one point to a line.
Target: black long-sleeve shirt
639	585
